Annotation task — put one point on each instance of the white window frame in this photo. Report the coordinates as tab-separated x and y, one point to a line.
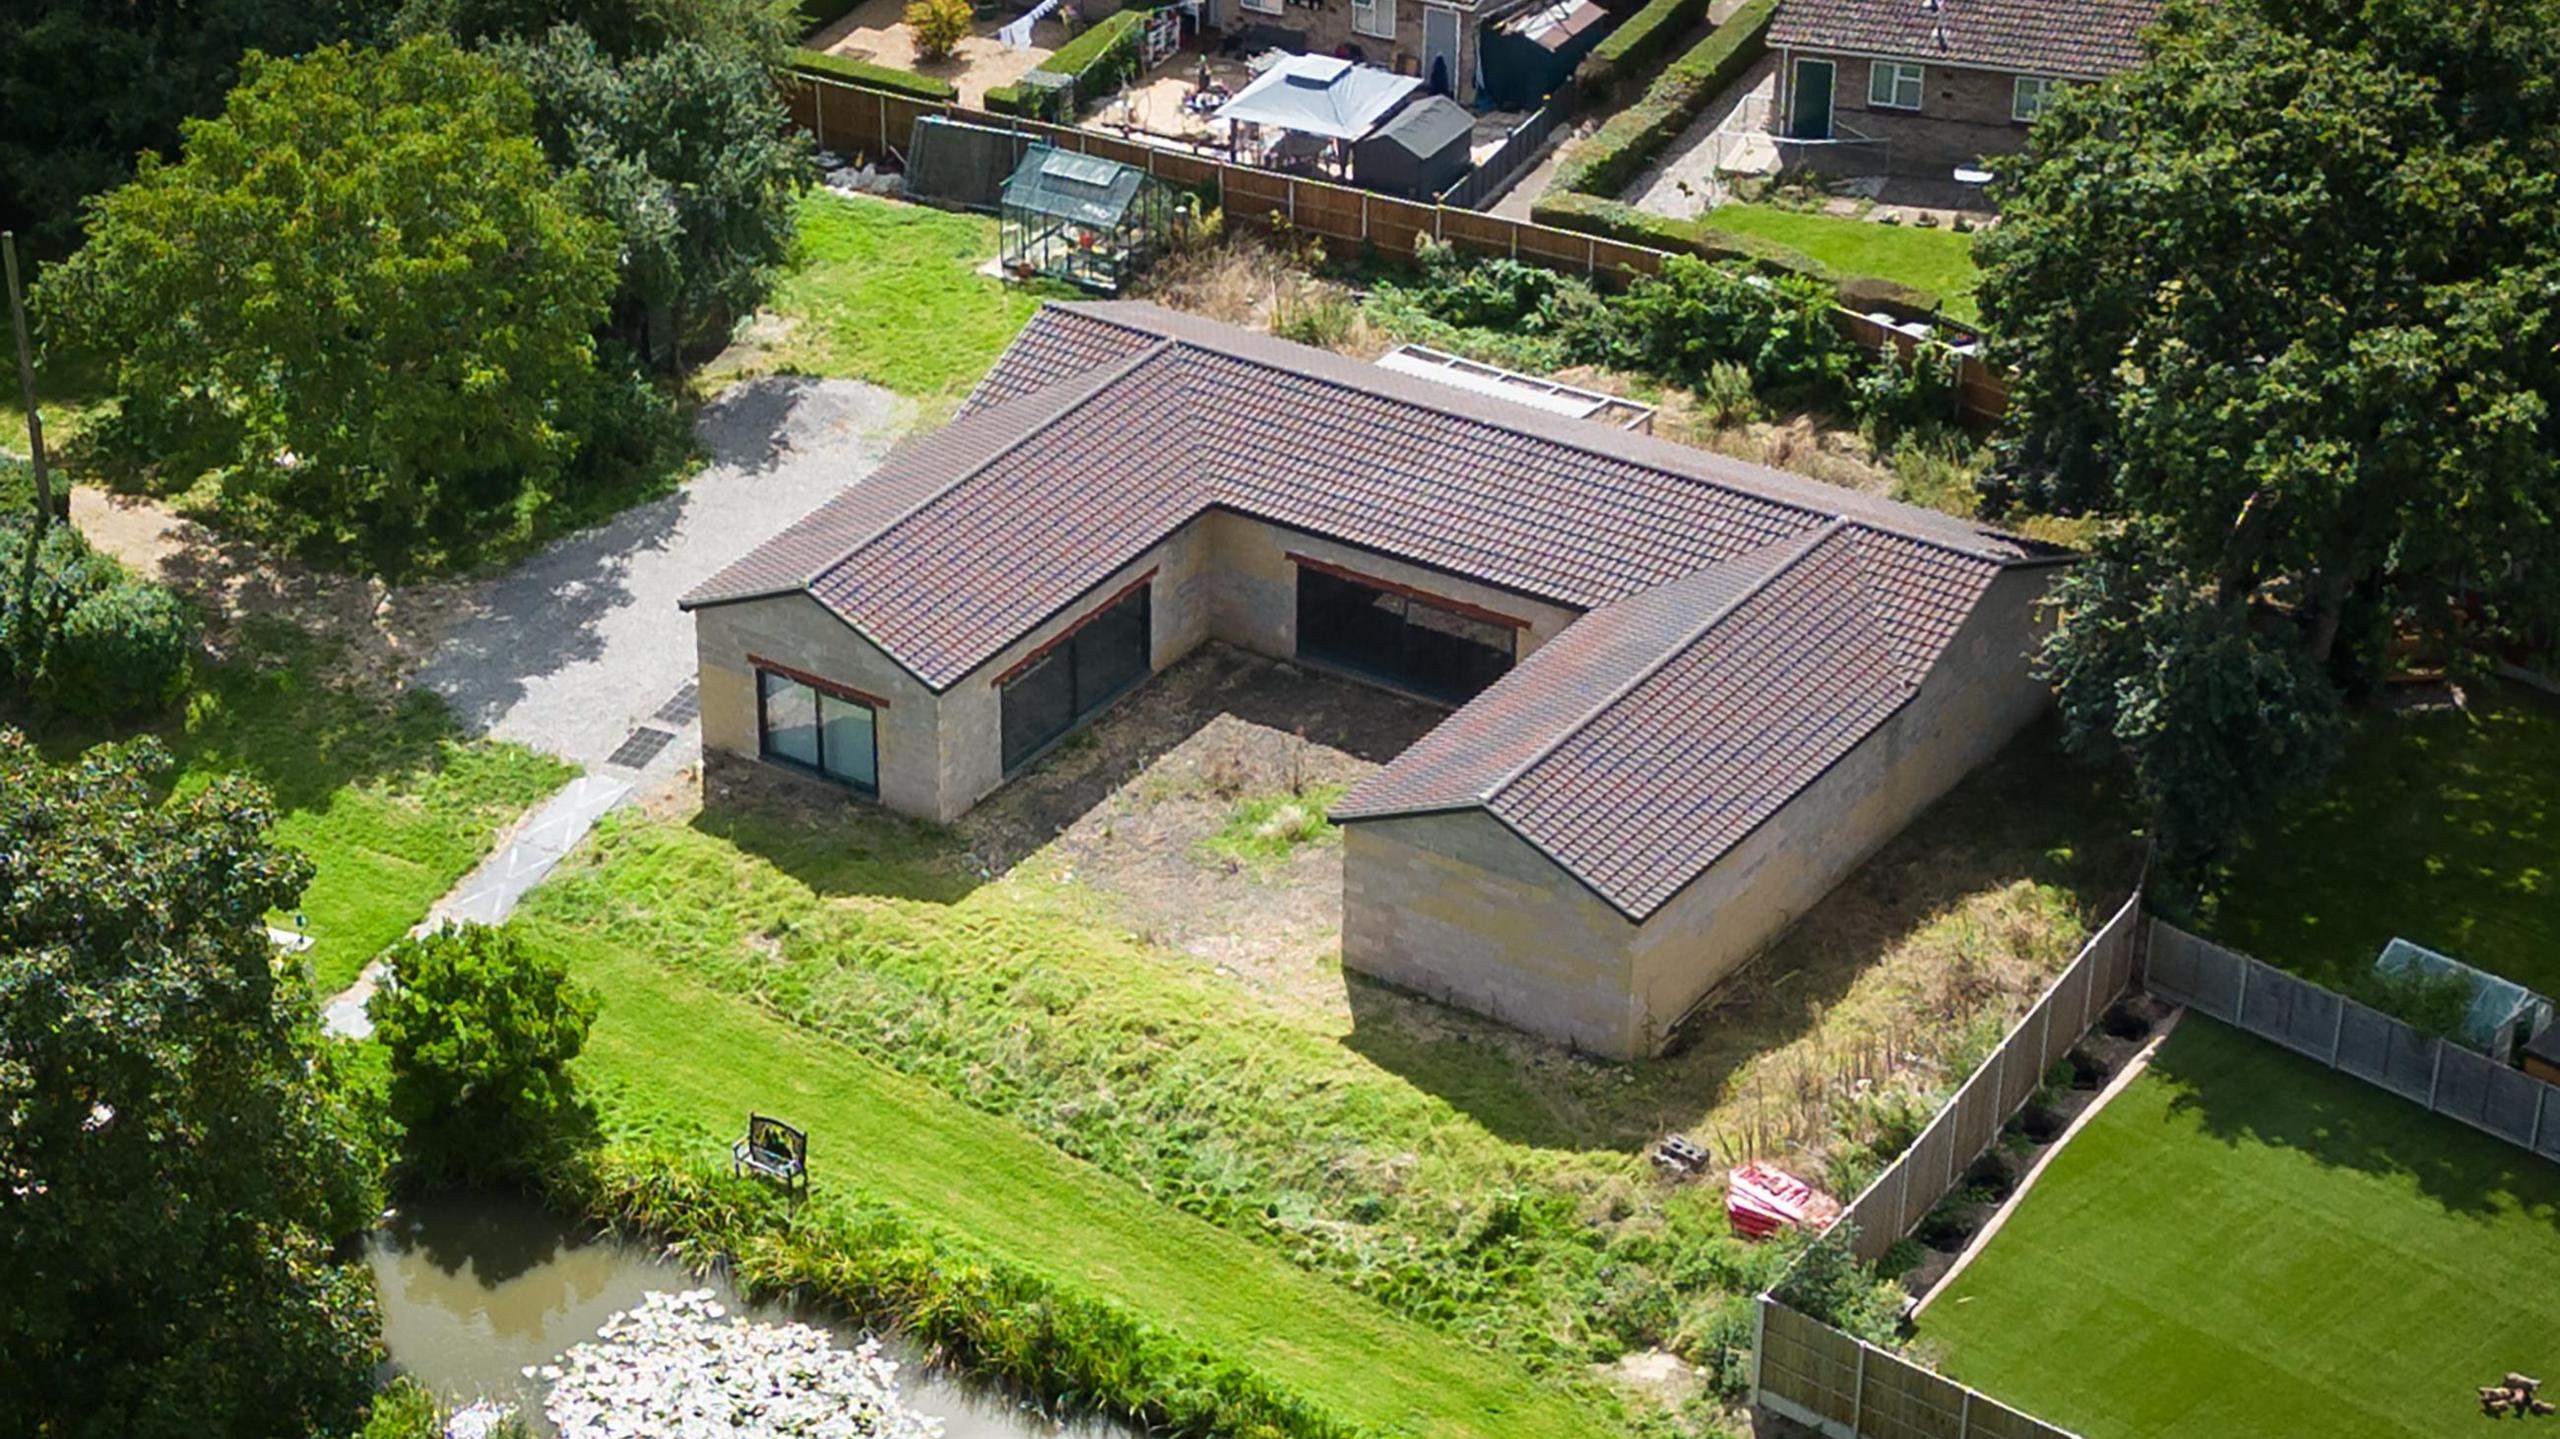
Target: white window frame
1263	7
1380	15
2041	87
1885	82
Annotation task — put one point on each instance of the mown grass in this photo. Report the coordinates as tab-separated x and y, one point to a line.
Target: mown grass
1491	1188
2439	825
1937	260
2244	1242
891	293
674	1061
390	803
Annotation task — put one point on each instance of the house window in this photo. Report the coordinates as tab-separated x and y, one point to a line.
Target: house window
2028	98
1439	651
1895	84
1263	7
1374	18
1090	667
810	728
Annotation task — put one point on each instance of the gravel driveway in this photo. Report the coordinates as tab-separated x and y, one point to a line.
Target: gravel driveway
571	650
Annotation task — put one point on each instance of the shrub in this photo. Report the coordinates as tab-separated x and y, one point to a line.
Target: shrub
1603	162
879	77
1617	220
1725	396
480	1030
1641	39
1828	1283
1893	396
18	492
1681	322
80	635
939	26
1103	58
2432	1002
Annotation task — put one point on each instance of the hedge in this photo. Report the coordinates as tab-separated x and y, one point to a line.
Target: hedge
995	1316
1101	58
1604	162
879	77
1641	39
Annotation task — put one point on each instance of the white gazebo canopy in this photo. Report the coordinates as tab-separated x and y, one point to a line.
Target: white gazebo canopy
1320	95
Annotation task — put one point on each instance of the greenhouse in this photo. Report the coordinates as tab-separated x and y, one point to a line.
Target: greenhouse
1083	219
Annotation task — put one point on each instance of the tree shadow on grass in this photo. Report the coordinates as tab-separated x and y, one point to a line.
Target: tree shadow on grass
2032	815
2239	1089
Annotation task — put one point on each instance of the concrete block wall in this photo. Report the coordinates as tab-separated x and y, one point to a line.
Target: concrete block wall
795	630
1457	907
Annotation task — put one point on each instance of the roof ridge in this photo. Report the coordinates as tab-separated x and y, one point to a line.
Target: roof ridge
1095	383
1684	462
1803	545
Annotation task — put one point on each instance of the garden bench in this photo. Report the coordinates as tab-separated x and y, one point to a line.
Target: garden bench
773	1149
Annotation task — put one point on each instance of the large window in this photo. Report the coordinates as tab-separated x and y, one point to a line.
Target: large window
1895	84
1436	650
811	728
1375	18
1076	676
2028	97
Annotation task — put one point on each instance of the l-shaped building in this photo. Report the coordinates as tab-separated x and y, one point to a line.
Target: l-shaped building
1689	694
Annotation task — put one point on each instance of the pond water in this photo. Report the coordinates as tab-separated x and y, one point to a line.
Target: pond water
477	1286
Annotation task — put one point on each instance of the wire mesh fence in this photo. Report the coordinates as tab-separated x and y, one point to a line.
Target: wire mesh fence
2353	1038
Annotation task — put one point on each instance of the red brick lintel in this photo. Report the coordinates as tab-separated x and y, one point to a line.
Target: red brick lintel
1473	612
1064	635
822	685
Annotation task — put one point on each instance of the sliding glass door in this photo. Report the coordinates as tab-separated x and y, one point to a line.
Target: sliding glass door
809	728
1079	674
1403	640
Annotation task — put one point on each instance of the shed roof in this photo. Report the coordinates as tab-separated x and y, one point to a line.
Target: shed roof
1426	127
2038	37
1744	627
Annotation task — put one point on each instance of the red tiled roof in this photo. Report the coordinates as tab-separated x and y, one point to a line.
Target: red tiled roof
1745	627
2036	37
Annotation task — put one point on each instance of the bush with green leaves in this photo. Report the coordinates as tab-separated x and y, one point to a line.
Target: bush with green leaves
1679	323
2436	1003
480	1028
1828	1283
1893	396
82	636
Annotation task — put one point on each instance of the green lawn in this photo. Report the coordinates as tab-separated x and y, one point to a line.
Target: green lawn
2439	825
669	1056
2245	1243
1939	260
389	803
890	293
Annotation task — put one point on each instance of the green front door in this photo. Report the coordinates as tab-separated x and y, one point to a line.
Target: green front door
1810	118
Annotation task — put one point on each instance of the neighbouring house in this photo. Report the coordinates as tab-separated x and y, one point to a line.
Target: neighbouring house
1689	694
1432	40
1923	87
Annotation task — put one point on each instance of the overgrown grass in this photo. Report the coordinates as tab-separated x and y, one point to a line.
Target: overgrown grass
1928	259
2244	1242
385	797
890	293
2439	825
1267	828
900	1166
1488	1187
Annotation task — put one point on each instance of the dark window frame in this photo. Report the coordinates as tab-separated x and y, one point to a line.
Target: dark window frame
1063	648
816	688
1401	674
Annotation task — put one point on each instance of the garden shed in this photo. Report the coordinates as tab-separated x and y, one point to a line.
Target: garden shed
1420	151
1081	218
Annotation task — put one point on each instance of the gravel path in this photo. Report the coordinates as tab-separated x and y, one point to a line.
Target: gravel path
573	650
1683	183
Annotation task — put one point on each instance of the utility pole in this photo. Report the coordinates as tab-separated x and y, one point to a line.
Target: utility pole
27	385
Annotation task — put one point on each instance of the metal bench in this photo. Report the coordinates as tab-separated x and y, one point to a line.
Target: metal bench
773	1149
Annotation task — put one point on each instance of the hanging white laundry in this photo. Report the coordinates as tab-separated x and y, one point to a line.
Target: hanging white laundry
1017	36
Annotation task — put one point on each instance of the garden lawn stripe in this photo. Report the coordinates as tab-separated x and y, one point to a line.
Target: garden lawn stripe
2244	1242
670	1050
1915	255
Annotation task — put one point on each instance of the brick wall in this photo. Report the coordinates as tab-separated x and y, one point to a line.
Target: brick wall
1327	26
1963	114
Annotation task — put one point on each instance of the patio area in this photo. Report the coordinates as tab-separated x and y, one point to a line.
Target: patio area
877	31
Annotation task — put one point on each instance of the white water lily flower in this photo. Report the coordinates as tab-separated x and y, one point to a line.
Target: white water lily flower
678	1365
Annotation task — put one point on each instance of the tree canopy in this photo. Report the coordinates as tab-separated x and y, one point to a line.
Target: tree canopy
2282	307
176	1174
361	298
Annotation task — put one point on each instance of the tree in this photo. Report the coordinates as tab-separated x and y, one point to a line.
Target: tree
2282	305
84	87
673	115
481	1029
177	1174
361	299
939	26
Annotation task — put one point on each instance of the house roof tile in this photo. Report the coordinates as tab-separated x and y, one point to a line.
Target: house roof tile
2037	37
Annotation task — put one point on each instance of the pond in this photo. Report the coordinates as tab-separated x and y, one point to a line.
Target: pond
476	1287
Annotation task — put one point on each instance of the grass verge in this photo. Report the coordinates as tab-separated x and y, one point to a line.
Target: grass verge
384	796
1939	261
673	1062
2244	1242
1268	828
891	293
2438	825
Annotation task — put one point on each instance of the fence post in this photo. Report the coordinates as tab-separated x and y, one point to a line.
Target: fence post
2435	1077
2338	1035
1902	1195
884	124
1759	1340
1964	1416
1858	1392
2541	1102
1364	217
2240	1013
1293	198
818	98
2044	1041
1590	256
